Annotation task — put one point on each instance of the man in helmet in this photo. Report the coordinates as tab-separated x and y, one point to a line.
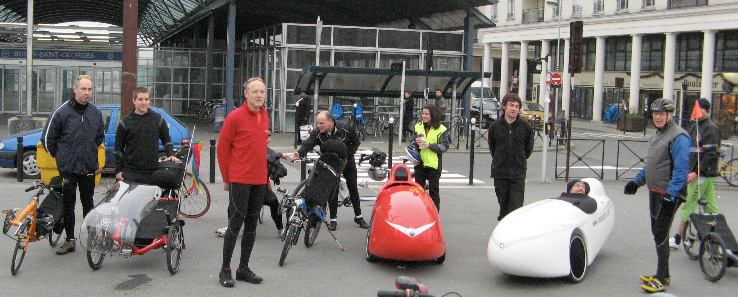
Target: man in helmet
666	178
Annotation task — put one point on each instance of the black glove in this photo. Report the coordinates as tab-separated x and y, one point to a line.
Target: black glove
630	188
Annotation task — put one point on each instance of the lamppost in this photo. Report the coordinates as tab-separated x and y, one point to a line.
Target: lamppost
547	100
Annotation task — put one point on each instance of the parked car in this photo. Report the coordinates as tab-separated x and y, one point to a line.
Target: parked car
531	111
490	108
111	115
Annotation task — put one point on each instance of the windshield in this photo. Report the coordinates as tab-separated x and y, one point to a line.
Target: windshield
532	106
490	105
477	93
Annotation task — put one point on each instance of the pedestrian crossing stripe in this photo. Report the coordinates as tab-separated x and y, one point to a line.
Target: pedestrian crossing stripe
362	174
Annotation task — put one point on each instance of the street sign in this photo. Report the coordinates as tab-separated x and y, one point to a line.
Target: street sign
556	79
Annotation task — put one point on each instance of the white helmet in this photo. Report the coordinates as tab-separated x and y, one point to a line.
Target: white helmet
377	173
412	155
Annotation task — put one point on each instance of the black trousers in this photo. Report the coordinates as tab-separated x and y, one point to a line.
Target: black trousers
350	174
244	206
86	186
270	199
433	177
510	194
662	214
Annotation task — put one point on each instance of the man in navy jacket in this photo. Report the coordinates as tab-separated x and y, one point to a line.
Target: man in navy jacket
72	136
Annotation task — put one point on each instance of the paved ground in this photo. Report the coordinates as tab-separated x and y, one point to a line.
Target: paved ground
467	215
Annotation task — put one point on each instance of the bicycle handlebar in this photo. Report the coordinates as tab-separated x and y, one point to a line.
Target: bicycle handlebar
406	293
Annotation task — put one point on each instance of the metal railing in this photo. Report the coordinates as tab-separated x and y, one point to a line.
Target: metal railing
685	3
583	153
639	153
534	15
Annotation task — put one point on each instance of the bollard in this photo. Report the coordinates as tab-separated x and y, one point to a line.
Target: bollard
212	161
471	152
19	159
391	130
297	134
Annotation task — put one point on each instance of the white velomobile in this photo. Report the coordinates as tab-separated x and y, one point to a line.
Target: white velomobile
554	237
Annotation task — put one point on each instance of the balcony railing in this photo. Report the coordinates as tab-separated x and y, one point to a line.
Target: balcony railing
534	15
686	3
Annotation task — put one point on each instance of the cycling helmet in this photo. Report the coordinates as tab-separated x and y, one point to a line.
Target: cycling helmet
663	104
377	173
412	155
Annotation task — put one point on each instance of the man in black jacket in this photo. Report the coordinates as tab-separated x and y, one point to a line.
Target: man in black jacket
510	143
702	186
72	136
329	128
137	141
303	109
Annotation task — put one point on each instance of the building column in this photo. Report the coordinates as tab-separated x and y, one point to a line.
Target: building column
486	57
599	77
708	65
669	65
523	71
566	83
545	44
635	74
505	70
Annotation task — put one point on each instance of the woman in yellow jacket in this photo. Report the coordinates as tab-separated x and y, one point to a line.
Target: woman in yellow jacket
432	140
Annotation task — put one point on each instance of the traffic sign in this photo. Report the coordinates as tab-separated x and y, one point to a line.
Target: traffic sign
556	79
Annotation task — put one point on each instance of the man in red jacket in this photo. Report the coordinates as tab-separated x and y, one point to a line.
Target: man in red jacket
242	148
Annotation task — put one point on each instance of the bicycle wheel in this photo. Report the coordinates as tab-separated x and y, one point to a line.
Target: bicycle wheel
193	204
712	257
20	247
54	238
368	127
288	240
107	182
729	172
312	228
175	244
690	241
18	255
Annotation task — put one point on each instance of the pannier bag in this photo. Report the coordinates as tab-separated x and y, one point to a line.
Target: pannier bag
169	175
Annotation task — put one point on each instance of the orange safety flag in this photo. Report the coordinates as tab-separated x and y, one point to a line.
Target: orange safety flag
696	112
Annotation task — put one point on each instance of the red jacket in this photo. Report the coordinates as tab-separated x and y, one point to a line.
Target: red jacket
242	146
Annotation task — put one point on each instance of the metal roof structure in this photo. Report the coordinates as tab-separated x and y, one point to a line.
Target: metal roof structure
162	19
373	82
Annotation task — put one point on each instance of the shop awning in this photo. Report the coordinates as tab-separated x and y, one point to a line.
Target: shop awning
373	82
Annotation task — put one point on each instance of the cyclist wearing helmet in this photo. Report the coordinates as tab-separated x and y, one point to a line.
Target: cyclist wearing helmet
431	140
511	144
666	177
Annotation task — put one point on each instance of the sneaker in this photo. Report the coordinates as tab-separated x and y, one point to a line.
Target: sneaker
67	247
654	286
332	226
221	232
675	242
648	279
280	233
361	223
245	274
225	279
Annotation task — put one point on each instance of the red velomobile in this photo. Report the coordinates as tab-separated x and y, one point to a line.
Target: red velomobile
404	225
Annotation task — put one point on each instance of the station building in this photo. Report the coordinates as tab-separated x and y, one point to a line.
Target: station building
679	49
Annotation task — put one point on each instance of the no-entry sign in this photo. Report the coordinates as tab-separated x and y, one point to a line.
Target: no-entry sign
556	79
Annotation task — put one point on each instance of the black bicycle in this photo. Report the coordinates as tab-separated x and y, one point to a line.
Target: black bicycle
305	208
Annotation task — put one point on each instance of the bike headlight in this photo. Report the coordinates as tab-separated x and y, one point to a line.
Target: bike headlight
2	145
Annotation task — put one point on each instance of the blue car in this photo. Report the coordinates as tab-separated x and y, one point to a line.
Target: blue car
111	114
